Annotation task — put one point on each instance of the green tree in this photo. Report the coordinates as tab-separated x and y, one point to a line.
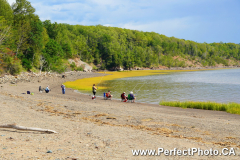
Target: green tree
45	37
5	30
22	10
53	54
67	49
6	11
21	35
23	13
35	41
52	29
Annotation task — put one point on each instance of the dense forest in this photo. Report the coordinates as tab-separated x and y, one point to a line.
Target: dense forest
27	43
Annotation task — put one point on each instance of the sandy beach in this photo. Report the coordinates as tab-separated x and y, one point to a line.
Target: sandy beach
105	129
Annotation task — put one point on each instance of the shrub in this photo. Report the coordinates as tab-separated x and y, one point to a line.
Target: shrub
94	67
59	66
16	68
103	66
73	66
204	63
26	64
79	69
11	65
60	69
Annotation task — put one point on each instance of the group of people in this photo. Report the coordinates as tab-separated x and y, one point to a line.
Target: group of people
47	89
129	97
109	95
94	90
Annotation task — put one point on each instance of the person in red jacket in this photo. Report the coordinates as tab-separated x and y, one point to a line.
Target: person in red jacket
108	95
124	97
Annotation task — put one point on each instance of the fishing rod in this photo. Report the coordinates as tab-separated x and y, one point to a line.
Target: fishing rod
135	86
99	81
140	87
101	78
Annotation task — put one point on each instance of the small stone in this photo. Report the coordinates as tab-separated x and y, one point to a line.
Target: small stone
49	151
111	118
89	134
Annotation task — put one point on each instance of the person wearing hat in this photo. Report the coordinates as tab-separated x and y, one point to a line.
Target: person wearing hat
131	96
124	97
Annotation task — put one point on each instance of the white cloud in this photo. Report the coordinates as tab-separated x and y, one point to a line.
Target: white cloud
107	2
186	19
64	13
167	27
137	15
11	1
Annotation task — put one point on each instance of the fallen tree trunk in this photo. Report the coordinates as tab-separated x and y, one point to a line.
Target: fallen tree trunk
14	126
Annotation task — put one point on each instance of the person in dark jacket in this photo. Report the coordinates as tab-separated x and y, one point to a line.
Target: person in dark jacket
124	97
131	96
63	89
47	89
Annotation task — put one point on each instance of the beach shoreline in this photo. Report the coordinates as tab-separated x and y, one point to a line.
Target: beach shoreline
104	129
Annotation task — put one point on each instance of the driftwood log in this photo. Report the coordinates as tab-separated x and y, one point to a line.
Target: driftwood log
14	126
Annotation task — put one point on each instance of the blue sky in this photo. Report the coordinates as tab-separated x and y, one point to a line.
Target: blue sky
198	20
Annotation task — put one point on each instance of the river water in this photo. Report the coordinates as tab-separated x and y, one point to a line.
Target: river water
210	85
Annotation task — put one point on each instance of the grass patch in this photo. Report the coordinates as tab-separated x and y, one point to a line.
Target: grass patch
86	83
233	108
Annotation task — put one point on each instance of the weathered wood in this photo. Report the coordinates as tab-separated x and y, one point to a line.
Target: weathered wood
14	126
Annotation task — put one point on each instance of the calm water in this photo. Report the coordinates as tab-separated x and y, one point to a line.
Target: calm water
215	85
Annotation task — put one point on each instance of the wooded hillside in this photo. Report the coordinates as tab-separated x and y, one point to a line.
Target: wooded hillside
27	42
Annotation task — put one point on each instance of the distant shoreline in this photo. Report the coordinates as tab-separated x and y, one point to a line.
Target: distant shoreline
187	68
27	77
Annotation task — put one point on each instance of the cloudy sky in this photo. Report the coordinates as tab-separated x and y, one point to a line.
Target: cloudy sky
198	20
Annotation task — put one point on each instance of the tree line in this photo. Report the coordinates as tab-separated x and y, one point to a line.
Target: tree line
30	44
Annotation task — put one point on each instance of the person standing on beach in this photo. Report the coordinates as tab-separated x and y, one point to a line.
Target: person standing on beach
94	90
63	89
